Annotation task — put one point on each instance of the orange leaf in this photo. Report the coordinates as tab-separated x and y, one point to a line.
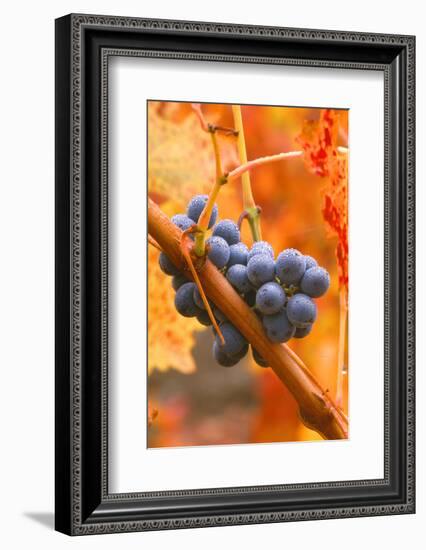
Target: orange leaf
319	140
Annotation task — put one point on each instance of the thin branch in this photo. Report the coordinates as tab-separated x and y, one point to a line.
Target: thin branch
248	201
154	243
207	127
243	168
204	219
243	216
317	410
196	107
186	245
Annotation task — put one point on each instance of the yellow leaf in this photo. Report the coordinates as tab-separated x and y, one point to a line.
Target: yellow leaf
180	154
170	336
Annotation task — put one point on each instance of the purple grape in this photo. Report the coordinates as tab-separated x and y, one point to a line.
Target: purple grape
196	206
290	266
203	317
301	310
182	221
260	269
227	360
238	254
220	317
258	358
178	281
250	298
301	332
237	276
278	327
184	300
228	230
234	340
310	262
261	247
270	298
223	359
166	265
315	282
218	251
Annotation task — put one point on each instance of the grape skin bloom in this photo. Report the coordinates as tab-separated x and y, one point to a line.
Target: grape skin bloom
196	206
218	251
238	254
182	221
270	298
315	282
278	327
290	266
260	269
310	262
301	310
184	300
228	230
261	247
237	276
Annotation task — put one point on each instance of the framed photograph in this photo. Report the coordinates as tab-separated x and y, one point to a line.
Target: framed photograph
234	274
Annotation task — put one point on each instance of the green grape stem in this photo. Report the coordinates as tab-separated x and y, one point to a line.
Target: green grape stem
221	179
248	201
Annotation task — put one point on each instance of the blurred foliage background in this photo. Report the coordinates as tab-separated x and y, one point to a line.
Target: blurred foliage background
191	399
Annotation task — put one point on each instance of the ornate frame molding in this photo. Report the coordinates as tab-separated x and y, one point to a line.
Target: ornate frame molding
78	522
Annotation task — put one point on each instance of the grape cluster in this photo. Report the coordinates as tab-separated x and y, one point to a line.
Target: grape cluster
280	290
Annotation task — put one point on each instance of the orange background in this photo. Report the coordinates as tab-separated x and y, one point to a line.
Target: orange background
194	401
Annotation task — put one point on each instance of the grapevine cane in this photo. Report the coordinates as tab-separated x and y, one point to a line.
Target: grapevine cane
317	410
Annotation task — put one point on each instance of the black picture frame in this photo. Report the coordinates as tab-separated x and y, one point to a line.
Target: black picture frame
83	504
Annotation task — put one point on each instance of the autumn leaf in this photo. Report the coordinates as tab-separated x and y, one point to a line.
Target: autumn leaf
180	154
335	212
181	164
170	336
319	140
